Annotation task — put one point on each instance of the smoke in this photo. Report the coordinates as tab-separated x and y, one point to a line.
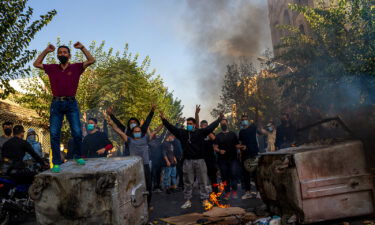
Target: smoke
224	31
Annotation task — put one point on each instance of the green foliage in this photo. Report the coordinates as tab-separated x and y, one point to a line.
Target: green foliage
117	79
334	61
16	33
246	91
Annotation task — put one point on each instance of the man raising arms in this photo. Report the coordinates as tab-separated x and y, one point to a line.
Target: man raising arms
64	79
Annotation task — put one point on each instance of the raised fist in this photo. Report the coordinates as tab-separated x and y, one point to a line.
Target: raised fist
153	107
50	48
221	116
110	110
161	114
78	45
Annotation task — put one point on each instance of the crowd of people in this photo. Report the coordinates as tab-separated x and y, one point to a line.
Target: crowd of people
174	158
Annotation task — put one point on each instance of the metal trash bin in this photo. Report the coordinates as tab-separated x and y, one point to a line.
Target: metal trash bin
317	183
104	191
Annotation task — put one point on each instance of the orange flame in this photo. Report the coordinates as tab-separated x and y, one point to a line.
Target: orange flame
214	198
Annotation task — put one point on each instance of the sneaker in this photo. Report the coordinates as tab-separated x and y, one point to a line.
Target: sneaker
56	169
247	195
158	190
226	196
186	205
80	161
234	195
255	194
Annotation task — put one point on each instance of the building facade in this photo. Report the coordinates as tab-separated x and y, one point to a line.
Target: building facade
280	14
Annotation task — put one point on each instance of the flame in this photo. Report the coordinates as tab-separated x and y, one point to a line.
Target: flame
214	198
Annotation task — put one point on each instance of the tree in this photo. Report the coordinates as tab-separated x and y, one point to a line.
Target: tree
116	79
247	91
334	62
16	33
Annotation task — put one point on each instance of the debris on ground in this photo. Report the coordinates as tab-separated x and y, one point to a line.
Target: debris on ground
231	215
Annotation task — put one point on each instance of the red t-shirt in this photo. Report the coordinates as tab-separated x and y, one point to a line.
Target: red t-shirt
64	82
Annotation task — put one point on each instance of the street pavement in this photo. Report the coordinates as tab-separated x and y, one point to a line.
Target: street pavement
167	205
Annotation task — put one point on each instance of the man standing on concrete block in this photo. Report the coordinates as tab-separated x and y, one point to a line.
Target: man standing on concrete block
64	79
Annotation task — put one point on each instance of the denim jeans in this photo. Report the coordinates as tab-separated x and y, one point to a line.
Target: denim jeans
57	111
170	172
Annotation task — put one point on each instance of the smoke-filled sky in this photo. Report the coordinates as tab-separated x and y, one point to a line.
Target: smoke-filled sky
189	42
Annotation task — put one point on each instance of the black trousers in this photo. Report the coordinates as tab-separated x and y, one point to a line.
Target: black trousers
146	168
156	175
212	173
230	173
180	173
246	175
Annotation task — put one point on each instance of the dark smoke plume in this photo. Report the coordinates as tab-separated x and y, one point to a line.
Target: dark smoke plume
222	32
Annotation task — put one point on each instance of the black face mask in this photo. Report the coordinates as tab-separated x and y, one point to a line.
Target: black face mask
7	131
63	59
224	127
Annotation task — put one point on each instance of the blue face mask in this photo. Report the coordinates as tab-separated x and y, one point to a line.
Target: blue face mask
132	125
245	123
189	127
90	127
137	135
31	138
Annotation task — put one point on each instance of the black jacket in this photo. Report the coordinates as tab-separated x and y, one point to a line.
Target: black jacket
127	129
192	141
285	136
15	149
248	137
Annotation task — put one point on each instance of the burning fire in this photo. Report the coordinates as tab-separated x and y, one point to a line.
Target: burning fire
214	198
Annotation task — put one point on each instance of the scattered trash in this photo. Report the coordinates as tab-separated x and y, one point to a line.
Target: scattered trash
262	211
263	221
276	220
292	219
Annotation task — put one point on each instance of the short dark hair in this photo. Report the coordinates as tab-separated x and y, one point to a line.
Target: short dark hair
204	121
191	119
18	129
93	119
244	115
7	123
64	46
